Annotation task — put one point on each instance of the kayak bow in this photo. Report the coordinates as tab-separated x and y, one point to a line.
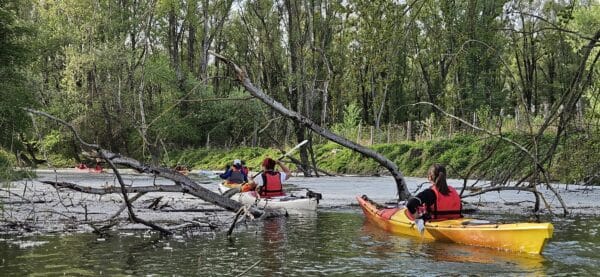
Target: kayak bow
518	237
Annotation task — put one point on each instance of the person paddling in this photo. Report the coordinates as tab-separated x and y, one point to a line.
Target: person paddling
269	183
235	174
439	202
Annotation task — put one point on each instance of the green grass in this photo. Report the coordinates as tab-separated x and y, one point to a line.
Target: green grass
459	153
576	158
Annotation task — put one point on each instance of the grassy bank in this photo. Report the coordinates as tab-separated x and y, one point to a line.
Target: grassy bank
413	158
574	161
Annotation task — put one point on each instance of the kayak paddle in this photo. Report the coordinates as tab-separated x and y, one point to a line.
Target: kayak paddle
286	154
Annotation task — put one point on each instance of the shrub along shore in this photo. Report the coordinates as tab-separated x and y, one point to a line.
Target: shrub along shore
575	161
572	164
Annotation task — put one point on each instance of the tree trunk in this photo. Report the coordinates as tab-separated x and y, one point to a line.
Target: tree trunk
174	37
202	71
296	90
191	47
403	193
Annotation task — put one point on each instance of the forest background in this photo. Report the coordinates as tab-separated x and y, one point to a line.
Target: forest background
137	78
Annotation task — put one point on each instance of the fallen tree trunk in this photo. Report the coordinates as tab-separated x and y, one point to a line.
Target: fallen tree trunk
113	189
187	185
182	182
403	193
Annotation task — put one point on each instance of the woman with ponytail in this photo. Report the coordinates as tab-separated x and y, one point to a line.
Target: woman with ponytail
438	202
270	182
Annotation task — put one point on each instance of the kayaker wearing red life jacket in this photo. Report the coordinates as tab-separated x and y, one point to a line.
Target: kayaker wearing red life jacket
235	174
439	202
270	182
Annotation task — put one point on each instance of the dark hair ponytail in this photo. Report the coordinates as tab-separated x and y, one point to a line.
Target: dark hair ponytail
269	164
437	174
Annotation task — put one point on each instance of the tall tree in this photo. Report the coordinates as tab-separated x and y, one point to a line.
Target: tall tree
15	54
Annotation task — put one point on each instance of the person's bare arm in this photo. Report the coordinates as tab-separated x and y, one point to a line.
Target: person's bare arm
285	169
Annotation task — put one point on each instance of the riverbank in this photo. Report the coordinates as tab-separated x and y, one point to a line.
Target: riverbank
575	160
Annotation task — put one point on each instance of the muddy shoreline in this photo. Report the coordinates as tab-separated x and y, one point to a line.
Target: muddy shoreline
31	207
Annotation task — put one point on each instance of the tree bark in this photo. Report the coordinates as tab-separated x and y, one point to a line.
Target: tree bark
403	193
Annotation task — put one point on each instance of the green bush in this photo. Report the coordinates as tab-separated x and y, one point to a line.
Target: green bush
7	168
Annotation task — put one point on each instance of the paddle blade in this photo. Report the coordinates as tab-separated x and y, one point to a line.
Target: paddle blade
420	224
293	149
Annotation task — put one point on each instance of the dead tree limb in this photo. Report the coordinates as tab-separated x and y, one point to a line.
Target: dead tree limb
235	219
313	160
521	148
533	190
187	185
113	189
249	268
132	215
124	206
473	166
242	77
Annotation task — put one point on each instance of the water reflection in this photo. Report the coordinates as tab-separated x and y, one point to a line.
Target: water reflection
273	242
331	244
386	244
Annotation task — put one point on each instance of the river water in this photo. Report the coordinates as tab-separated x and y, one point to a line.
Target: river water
336	241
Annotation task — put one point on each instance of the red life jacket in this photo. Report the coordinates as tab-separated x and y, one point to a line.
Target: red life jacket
271	184
446	206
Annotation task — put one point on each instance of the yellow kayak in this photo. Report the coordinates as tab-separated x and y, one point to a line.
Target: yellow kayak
518	237
228	185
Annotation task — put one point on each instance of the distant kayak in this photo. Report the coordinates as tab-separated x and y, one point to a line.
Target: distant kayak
183	170
96	169
518	237
290	204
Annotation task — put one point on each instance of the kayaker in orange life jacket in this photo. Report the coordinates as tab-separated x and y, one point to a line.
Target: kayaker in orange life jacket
439	202
235	174
270	182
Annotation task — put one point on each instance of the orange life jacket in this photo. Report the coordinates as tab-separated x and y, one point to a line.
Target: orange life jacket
446	206
271	184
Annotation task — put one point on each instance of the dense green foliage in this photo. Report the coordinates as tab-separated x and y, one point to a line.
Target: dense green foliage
7	168
15	90
137	78
459	153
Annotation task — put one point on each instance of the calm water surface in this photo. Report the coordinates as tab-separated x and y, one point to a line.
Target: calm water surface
329	243
334	242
